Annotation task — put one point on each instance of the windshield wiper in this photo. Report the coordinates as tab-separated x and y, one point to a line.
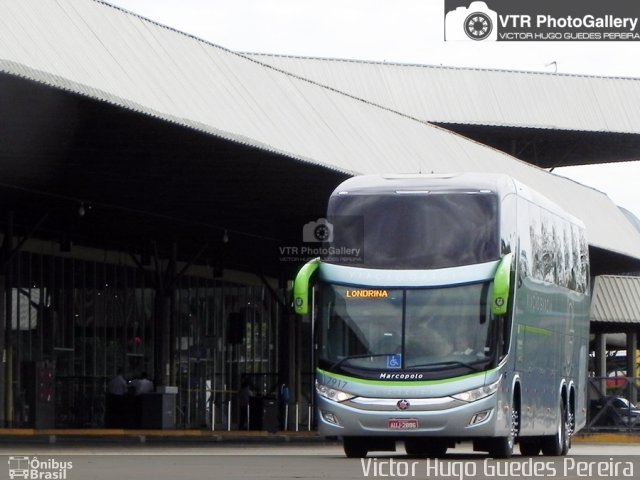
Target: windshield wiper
354	357
451	362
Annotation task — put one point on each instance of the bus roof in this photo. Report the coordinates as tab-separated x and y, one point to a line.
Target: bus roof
393	183
501	184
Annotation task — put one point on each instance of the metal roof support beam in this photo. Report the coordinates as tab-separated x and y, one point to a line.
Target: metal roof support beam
25	239
164	319
6	270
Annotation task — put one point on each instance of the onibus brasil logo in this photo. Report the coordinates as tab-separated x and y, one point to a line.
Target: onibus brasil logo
33	468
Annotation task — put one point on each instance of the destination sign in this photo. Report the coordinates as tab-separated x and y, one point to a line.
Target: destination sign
362	293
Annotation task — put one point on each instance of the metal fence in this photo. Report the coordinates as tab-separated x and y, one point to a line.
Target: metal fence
88	318
612	404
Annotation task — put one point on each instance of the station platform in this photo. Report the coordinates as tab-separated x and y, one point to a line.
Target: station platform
115	435
97	435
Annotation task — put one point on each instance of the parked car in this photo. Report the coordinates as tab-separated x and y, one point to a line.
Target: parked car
615	411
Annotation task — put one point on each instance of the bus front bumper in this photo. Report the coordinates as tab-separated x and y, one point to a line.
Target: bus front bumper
412	417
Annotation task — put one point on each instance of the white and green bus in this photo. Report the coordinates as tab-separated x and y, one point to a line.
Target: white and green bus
459	313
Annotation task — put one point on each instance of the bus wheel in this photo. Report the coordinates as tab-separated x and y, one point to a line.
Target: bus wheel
502	447
425	448
571	428
355	447
529	447
558	444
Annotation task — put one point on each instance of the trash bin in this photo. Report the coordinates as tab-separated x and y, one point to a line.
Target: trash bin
270	415
158	410
263	414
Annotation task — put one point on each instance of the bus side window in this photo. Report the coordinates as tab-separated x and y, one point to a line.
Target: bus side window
505	333
502	327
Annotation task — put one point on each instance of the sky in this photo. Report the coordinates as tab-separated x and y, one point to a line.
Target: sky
400	31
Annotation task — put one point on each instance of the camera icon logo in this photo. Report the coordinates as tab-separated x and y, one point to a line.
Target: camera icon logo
475	22
319	231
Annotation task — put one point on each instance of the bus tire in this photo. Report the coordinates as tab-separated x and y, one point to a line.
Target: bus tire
502	447
419	447
558	444
529	447
355	447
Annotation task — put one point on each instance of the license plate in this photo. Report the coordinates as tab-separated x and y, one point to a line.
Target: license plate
402	423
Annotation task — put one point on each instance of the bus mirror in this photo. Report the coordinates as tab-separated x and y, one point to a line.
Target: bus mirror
501	282
301	286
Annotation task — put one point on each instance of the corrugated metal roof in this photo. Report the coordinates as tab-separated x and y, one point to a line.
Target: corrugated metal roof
635	221
480	97
616	299
97	50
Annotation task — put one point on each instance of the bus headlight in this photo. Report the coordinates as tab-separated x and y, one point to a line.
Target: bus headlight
477	393
332	393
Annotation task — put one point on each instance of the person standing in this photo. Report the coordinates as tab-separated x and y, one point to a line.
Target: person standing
116	401
118	384
244	399
142	385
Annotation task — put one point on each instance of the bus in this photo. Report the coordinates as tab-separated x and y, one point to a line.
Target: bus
448	308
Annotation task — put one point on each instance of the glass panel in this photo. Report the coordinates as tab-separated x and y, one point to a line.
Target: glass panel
447	325
435	230
363	328
360	327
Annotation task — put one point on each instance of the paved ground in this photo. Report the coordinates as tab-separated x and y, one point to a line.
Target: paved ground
299	461
195	454
29	435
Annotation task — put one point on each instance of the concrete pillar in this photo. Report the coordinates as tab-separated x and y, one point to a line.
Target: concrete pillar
3	353
632	348
601	362
7	347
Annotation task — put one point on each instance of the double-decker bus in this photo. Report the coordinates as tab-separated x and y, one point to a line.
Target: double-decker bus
460	311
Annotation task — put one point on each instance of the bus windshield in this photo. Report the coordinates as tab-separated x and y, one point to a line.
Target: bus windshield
431	230
420	329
